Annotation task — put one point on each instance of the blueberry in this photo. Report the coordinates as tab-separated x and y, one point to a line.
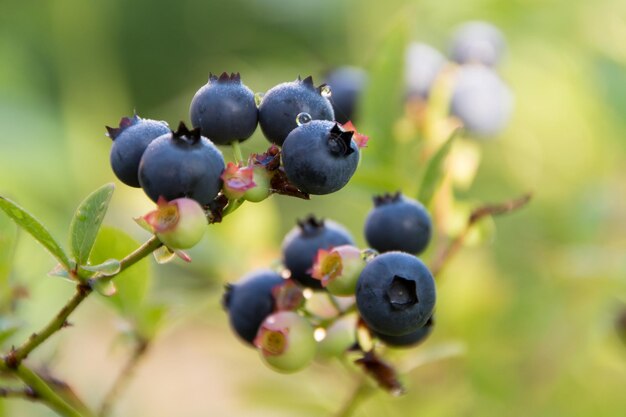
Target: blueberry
182	164
395	294
398	223
320	157
130	140
481	100
282	104
346	86
249	301
301	244
477	42
408	340
423	64
224	109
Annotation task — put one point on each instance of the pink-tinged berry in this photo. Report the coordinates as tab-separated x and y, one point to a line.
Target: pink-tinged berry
261	190
179	224
237	180
285	341
338	269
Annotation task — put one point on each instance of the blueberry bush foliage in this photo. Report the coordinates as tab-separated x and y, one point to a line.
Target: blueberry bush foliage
423	117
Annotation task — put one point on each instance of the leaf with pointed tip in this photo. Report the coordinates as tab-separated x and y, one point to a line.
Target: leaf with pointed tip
8	238
107	268
87	221
31	225
132	283
141	221
434	171
60	271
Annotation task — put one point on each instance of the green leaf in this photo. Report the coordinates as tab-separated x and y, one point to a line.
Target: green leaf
133	283
107	268
27	222
434	171
87	221
382	103
150	320
8	239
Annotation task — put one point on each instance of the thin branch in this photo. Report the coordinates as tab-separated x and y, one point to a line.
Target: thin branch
16	356
456	244
124	378
42	392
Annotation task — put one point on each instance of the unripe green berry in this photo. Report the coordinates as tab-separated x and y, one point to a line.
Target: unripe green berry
179	224
285	341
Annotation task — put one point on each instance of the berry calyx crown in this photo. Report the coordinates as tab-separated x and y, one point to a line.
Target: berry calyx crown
184	135
340	141
125	123
387	198
224	77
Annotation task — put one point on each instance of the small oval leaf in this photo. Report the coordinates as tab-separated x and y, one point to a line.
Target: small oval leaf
87	221
31	225
107	268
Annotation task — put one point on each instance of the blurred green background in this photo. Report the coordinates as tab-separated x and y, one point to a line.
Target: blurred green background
533	309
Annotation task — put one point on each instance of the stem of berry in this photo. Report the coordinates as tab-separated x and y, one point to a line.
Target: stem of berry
237	151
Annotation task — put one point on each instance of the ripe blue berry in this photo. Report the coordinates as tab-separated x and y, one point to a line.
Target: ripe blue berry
130	140
481	100
301	244
395	294
408	340
346	86
423	65
249	301
224	109
182	164
320	157
477	42
398	223
282	104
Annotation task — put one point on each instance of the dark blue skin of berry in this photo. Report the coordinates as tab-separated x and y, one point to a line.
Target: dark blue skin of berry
182	164
282	104
346	86
130	140
249	301
395	294
398	223
408	340
301	244
319	157
224	110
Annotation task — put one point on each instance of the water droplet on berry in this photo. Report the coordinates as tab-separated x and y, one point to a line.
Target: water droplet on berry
303	118
258	98
326	91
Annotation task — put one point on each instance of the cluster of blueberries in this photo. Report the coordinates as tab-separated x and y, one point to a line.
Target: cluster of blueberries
387	288
317	155
479	98
183	171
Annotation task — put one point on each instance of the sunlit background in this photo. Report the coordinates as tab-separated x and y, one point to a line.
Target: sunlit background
529	312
